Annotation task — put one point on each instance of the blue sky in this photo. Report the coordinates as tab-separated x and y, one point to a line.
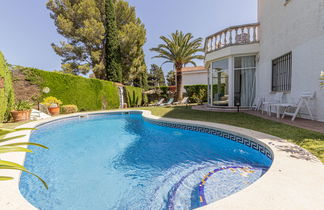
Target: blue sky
27	30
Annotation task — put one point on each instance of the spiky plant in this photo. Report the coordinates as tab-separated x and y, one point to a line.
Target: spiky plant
179	49
6	147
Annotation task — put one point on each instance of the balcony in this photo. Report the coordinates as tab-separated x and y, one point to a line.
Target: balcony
233	36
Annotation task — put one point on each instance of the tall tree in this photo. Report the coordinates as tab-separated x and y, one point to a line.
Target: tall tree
171	78
81	22
179	49
112	45
86	26
132	36
156	76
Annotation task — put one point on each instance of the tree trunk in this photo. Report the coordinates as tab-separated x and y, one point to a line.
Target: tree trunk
179	82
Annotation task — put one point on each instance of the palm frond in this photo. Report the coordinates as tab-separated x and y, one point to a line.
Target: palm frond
8	149
6	178
27	143
179	48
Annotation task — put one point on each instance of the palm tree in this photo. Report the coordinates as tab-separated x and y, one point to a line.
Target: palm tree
179	49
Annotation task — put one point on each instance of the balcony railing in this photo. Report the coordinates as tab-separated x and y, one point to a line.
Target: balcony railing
235	35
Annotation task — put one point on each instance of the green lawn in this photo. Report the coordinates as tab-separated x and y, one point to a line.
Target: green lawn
310	140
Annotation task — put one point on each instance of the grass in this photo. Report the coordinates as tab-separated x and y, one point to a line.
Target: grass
12	125
309	140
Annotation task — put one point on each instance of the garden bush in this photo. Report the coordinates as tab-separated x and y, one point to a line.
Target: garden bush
87	94
134	96
69	109
194	90
6	90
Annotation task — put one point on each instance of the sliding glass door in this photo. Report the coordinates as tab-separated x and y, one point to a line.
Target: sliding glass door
244	80
218	86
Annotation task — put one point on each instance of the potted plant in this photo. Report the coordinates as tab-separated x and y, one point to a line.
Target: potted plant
53	105
22	110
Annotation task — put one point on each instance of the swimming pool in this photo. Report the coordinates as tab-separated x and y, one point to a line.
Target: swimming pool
123	161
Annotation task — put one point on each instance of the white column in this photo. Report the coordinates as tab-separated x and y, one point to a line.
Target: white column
210	89
231	81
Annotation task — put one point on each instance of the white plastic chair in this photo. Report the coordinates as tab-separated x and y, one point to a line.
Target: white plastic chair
158	103
184	101
257	104
304	100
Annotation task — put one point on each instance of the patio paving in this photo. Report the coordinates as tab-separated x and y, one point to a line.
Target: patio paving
299	122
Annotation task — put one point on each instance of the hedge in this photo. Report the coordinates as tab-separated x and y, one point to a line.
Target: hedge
194	89
6	90
87	94
135	96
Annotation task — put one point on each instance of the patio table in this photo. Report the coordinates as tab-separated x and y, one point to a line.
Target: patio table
278	106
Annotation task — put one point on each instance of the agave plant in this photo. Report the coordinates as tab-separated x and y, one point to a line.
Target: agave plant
6	147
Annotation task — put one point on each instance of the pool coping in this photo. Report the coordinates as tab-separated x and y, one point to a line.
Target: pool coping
295	179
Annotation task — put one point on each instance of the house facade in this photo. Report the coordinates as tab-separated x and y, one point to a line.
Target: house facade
194	76
282	52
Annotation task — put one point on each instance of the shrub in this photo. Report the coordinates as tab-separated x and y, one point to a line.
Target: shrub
195	89
87	94
145	99
23	106
199	97
69	109
6	90
134	96
164	91
50	101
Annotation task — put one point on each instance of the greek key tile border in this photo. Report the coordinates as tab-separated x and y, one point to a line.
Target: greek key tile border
242	140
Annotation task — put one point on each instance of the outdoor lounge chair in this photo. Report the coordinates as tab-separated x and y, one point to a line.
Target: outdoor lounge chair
183	101
158	103
168	103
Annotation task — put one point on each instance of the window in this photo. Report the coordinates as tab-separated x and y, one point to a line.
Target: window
281	73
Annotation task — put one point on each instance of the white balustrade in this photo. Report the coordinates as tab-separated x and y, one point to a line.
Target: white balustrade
235	35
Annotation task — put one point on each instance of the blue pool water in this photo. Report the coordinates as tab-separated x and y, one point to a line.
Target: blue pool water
121	161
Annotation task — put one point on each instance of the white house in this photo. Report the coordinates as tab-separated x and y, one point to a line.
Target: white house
194	75
283	52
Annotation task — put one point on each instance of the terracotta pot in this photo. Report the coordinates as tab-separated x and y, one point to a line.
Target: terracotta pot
54	110
19	116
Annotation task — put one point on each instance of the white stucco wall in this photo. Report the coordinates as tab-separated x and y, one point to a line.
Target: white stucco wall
195	78
297	27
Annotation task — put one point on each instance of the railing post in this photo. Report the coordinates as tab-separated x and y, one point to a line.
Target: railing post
236	30
231	38
254	34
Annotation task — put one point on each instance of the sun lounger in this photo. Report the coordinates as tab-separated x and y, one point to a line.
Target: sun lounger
168	103
158	103
183	101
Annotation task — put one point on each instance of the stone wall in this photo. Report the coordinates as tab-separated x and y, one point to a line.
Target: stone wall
24	90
